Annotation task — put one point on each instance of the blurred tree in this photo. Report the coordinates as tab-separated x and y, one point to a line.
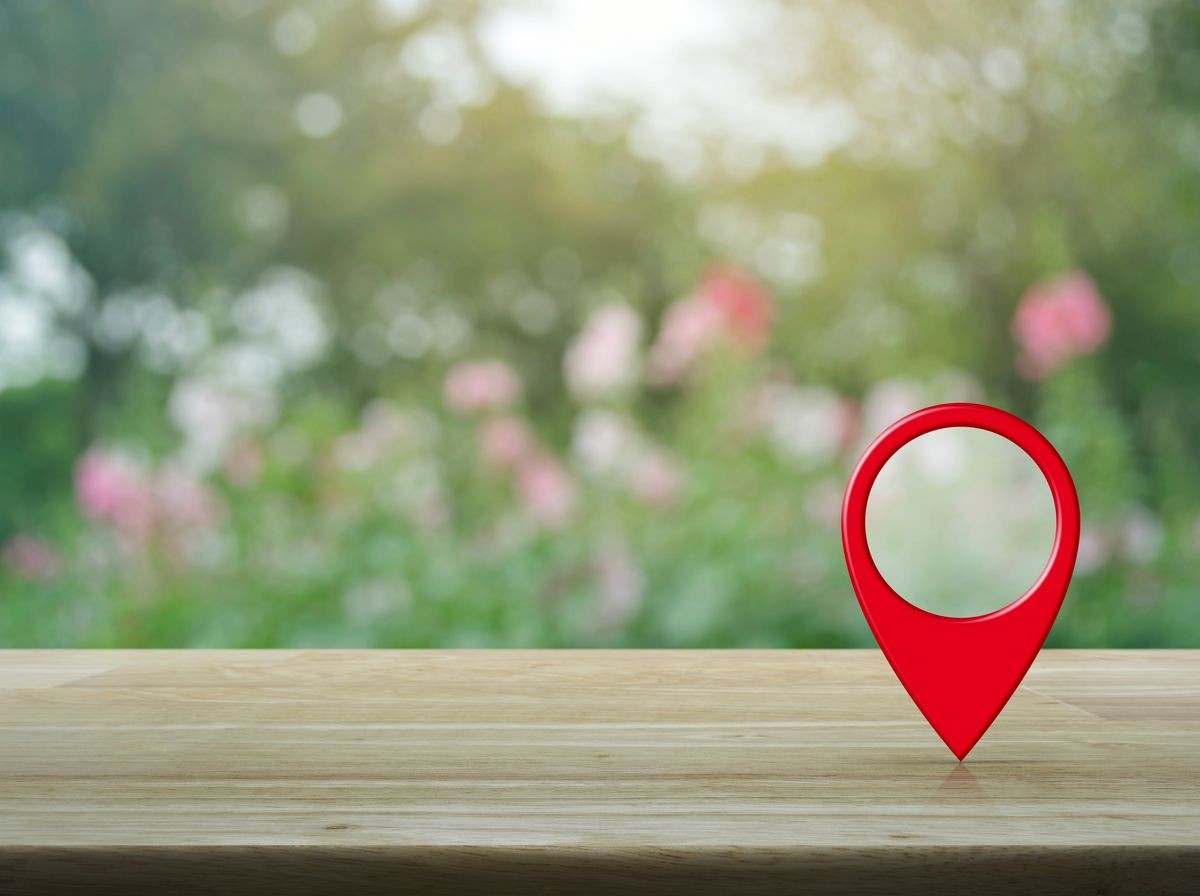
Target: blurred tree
186	146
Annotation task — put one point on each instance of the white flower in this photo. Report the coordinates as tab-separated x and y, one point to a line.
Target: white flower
282	314
42	266
603	443
212	416
805	424
603	360
887	402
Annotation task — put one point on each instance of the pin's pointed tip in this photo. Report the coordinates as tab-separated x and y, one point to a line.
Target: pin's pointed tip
960	752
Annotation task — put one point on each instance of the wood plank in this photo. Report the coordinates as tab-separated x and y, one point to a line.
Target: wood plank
620	771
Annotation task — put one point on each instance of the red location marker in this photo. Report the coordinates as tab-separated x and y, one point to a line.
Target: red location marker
960	671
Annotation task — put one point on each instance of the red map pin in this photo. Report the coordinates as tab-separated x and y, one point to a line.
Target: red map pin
960	671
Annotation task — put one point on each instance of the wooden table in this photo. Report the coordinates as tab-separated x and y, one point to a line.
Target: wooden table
586	771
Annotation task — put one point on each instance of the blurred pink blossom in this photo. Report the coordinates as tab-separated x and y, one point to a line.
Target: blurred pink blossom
620	584
726	305
1058	320
690	327
656	479
172	505
546	489
1094	550
184	503
743	301
603	358
213	416
473	386
31	558
504	442
112	487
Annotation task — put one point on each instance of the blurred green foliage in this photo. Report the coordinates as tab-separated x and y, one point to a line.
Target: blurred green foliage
432	210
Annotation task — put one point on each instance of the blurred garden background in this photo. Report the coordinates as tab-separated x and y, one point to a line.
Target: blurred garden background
561	323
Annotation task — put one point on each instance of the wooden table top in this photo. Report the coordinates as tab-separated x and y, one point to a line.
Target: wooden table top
541	771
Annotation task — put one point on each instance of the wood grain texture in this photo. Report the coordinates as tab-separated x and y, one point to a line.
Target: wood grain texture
586	771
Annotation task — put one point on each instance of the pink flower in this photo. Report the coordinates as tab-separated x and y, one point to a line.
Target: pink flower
183	503
1059	320
744	302
726	305
690	327
656	480
546	489
31	558
113	488
603	359
621	585
172	505
505	442
1094	550
481	386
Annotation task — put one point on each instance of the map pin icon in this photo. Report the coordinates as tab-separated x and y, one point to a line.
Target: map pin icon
960	671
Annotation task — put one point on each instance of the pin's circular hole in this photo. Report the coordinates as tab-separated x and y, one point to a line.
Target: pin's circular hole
960	522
